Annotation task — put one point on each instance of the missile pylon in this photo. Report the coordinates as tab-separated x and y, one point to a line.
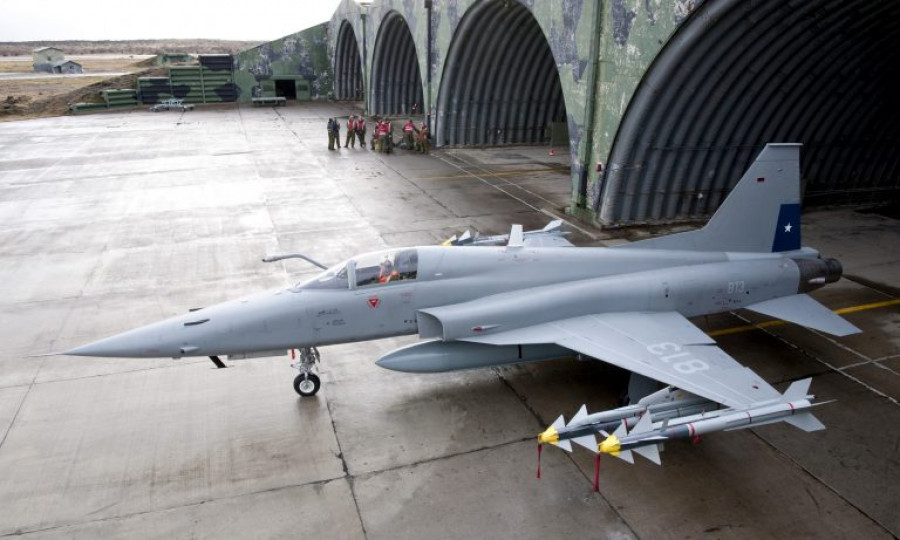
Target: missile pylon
646	436
665	404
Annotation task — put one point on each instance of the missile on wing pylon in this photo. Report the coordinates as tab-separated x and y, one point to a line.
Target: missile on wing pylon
554	229
645	437
665	404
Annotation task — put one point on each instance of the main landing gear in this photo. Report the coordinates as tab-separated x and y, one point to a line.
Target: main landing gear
307	383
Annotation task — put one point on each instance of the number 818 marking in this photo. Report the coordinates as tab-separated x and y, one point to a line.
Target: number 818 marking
670	351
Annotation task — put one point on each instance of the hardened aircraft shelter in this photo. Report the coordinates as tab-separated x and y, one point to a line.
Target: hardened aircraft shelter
662	104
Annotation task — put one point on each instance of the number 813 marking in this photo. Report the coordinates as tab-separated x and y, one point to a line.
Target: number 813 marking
686	364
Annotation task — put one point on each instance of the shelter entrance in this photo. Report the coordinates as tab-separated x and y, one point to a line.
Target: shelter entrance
286	89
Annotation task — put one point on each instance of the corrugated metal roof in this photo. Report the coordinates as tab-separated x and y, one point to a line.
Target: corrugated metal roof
739	74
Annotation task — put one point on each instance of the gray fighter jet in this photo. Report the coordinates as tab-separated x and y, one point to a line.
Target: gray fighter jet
539	297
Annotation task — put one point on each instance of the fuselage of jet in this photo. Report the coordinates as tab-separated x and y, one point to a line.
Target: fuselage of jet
457	292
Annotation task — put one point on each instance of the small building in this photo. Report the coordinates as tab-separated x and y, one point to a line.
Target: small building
53	60
44	58
66	66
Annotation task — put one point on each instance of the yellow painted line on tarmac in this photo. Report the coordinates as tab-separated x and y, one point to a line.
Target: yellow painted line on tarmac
504	173
767	324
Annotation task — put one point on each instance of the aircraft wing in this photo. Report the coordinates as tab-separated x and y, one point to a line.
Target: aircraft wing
663	346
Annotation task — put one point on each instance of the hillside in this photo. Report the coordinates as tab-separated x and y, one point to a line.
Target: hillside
138	46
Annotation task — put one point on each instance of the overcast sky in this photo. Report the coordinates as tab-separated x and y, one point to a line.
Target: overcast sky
55	20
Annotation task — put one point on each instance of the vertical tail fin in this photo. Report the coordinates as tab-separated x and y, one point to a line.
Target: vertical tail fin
761	214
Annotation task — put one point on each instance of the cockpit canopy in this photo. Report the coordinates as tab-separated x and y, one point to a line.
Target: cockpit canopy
369	270
386	267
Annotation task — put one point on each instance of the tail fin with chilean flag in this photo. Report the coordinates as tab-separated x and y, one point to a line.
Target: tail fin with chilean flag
761	214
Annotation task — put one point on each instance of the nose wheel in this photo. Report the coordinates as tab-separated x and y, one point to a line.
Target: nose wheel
307	383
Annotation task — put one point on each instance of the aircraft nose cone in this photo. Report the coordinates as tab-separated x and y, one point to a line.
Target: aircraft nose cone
143	342
116	346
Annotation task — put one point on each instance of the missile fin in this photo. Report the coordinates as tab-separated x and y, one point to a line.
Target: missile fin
661	396
588	441
805	421
797	390
579	416
565	445
645	424
559	423
621	431
516	237
650	452
625	455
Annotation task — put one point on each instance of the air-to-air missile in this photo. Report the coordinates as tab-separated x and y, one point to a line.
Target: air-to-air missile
645	438
669	415
666	404
551	235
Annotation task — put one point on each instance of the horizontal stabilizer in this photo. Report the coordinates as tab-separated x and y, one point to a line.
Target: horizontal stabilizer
803	310
650	452
805	421
588	441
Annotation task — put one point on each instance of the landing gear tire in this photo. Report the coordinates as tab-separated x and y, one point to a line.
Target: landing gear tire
307	384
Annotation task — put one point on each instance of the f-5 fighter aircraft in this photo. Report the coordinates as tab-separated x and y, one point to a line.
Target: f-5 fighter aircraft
538	297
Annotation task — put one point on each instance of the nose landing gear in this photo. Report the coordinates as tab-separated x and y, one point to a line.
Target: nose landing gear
307	383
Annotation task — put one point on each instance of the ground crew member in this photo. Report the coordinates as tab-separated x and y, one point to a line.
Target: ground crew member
422	142
382	136
388	143
337	133
331	134
351	133
376	136
408	129
361	131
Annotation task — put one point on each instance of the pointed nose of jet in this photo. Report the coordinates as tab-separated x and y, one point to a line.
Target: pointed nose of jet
261	322
146	342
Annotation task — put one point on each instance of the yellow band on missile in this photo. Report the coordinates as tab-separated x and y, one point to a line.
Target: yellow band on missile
610	445
550	436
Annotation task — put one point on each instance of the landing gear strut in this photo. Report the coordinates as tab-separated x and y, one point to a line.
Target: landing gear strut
307	383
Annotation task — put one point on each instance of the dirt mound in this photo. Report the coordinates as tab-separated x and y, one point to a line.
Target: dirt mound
22	107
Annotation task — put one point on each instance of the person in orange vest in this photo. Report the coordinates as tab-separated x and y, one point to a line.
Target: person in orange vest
408	130
361	131
350	142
